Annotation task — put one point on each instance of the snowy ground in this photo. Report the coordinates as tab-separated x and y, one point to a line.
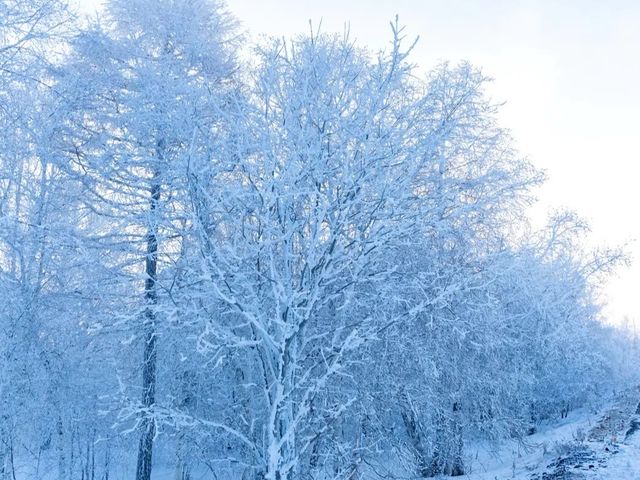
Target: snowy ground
603	446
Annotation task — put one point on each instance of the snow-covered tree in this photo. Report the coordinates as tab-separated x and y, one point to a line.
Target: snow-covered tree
139	89
344	171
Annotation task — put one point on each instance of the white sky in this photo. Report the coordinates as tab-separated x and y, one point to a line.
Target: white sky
569	71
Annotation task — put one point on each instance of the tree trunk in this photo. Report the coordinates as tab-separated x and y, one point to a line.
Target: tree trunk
145	448
414	432
60	446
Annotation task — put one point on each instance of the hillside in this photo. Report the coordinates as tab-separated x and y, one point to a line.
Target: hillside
604	445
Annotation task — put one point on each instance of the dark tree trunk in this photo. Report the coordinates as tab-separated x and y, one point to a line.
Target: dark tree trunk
145	448
414	432
457	464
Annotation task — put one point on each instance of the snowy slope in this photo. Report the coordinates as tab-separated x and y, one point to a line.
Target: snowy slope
603	446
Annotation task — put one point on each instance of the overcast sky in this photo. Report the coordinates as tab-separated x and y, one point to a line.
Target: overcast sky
568	70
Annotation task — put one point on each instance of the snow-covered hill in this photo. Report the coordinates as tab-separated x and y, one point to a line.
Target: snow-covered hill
586	445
